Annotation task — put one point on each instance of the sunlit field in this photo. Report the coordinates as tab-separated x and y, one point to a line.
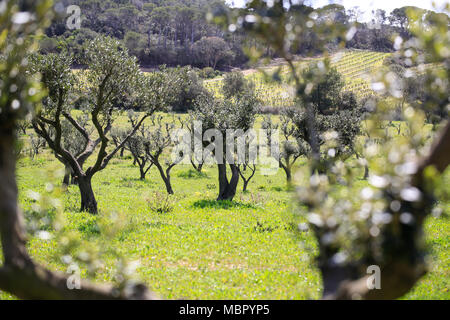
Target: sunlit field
195	247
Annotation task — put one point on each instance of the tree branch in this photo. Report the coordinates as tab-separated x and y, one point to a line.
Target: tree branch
36	282
108	157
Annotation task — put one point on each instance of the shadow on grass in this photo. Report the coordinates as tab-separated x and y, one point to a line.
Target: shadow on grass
278	189
131	181
89	228
192	174
221	204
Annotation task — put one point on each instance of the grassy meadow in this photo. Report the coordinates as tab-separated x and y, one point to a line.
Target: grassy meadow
199	248
202	249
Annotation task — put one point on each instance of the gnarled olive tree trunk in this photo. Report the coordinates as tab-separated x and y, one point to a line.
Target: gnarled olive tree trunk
165	175
288	170
88	202
227	188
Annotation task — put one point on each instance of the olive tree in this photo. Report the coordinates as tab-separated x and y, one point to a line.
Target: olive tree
235	84
37	143
195	158
330	111
247	169
117	135
292	146
185	88
324	110
135	145
229	120
73	141
157	143
412	84
212	51
23	125
111	74
235	115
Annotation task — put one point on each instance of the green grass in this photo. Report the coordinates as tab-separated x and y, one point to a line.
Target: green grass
203	249
436	284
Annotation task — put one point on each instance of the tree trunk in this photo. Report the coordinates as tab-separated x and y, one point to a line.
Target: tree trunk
142	173
245	179
67	176
245	185
288	175
88	202
197	167
288	171
223	180
227	189
165	38
167	182
73	179
149	42
166	178
159	36
11	222
168	185
366	172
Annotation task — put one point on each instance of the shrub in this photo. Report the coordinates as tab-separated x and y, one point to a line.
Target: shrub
208	73
186	88
160	202
235	84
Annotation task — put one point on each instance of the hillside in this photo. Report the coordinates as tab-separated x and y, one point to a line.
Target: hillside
356	66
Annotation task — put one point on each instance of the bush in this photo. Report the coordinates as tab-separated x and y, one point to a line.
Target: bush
186	88
209	73
192	174
161	202
212	52
48	45
234	84
136	44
